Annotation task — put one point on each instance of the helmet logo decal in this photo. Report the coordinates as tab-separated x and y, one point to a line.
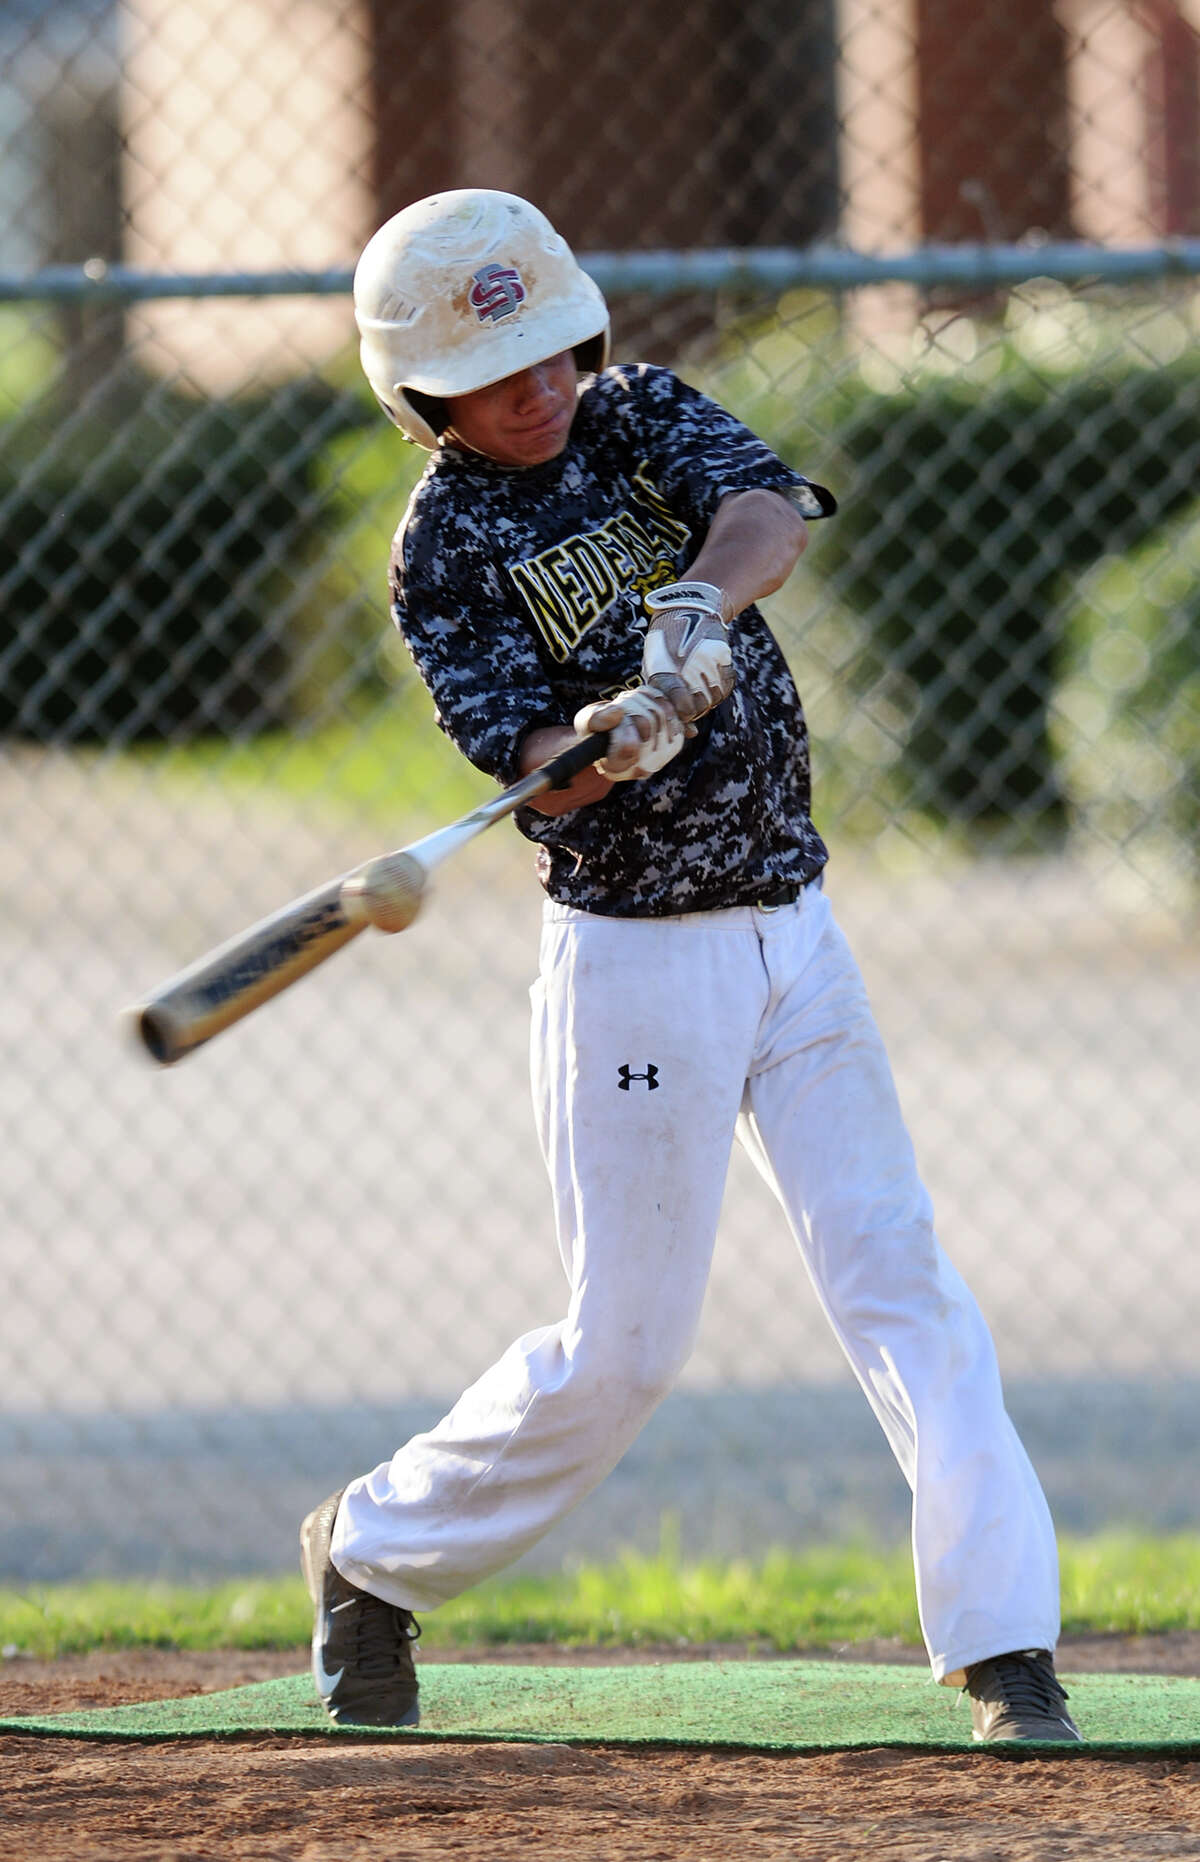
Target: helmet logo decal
496	292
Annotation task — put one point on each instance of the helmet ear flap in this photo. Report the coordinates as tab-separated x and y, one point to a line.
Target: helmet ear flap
420	417
592	356
432	410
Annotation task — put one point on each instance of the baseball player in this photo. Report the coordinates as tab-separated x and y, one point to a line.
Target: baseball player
583	554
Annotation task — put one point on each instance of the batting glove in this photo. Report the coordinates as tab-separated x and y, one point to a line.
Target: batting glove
686	655
644	733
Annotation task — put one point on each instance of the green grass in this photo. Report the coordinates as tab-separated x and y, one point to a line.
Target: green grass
387	763
817	1598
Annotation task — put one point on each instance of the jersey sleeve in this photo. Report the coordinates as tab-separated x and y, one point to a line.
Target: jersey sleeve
701	453
480	665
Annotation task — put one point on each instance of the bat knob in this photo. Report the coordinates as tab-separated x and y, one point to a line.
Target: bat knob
386	891
151	1033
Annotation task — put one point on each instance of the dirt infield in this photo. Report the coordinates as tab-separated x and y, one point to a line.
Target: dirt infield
306	1801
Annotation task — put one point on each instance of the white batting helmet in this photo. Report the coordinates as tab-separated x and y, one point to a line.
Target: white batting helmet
462	289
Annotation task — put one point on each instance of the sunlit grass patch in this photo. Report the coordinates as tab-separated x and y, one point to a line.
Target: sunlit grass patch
818	1597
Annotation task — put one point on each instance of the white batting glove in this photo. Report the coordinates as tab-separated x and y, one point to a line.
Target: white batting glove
687	655
644	733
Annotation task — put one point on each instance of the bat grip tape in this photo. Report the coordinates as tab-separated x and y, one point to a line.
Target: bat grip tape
563	768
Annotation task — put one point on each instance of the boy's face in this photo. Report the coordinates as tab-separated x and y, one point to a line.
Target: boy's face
524	419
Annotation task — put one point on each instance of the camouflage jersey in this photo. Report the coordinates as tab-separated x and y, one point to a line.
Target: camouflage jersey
518	592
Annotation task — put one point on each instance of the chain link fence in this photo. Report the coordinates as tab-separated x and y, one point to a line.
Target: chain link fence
947	263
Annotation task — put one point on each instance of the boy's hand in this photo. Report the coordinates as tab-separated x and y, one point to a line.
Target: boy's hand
686	654
644	732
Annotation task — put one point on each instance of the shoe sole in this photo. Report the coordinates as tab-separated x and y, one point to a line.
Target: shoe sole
1068	1737
411	1718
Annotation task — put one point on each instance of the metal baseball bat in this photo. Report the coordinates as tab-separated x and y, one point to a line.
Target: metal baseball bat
229	982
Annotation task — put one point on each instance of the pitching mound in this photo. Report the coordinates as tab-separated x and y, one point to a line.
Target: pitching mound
470	1792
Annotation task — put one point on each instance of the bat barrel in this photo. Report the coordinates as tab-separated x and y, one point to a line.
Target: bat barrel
222	987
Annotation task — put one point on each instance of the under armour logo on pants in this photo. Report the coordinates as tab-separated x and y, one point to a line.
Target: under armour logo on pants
650	1076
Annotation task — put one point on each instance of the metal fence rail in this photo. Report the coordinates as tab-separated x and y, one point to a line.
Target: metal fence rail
664	274
227	1286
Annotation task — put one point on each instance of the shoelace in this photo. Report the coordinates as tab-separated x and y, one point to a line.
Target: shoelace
1028	1686
382	1632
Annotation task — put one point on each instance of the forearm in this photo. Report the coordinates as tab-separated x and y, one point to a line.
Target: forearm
753	544
588	786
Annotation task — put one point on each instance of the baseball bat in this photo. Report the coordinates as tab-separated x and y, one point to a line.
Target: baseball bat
229	982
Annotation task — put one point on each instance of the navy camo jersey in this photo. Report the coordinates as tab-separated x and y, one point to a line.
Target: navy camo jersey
518	593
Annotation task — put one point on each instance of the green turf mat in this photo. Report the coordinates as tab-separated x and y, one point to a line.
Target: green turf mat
769	1706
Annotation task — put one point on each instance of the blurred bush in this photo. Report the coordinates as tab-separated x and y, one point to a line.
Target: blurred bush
364	477
974	480
963	508
156	555
1127	715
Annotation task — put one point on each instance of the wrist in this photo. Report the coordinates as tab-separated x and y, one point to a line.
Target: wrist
691	593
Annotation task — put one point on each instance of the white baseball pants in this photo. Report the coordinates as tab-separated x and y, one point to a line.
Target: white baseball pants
653	1042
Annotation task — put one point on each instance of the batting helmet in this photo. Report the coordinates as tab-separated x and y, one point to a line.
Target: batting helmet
462	289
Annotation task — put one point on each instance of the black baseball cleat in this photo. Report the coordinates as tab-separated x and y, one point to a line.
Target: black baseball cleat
362	1647
1019	1696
